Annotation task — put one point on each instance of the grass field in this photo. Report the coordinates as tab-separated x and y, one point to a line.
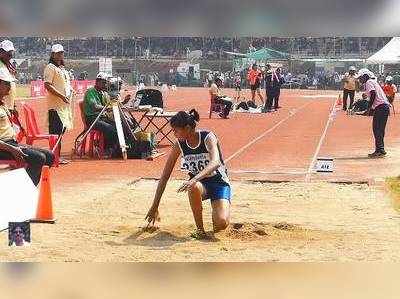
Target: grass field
23	91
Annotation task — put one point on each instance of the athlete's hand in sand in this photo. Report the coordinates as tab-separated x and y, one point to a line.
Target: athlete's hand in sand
153	215
187	185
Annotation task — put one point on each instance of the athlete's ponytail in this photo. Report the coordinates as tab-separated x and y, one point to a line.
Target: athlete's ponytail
183	119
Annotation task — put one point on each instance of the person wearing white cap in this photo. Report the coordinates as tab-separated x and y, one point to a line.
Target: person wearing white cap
10	149
60	94
349	88
6	54
380	105
390	90
94	101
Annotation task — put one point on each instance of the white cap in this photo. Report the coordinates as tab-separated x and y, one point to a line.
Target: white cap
352	68
363	72
389	78
57	48
7	45
6	76
102	76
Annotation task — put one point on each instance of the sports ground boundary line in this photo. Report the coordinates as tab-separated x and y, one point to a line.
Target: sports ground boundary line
246	146
321	140
244	171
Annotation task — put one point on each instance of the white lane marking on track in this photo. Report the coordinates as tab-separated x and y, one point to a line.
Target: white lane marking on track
319	96
314	158
268	172
240	150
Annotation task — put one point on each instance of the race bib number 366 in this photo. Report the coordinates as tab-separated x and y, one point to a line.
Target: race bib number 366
195	163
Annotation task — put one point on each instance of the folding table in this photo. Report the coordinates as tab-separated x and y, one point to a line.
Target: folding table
158	119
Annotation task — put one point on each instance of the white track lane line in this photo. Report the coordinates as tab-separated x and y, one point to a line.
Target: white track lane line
314	158
239	151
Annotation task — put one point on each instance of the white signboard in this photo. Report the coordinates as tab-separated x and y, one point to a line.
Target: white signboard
120	132
184	68
19	197
324	165
105	65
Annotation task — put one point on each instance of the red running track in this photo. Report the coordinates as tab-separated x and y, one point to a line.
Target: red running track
277	146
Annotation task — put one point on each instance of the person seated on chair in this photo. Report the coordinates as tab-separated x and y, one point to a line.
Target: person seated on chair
95	100
218	98
6	54
10	149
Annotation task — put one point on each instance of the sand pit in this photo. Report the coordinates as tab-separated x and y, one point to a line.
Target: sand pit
270	222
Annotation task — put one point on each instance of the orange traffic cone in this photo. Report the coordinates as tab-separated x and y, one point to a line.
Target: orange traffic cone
44	212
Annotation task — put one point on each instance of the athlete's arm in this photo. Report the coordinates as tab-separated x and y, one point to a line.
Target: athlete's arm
51	89
152	215
212	147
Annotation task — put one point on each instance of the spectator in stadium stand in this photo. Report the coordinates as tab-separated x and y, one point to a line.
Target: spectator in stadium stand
254	76
349	87
10	149
60	94
6	54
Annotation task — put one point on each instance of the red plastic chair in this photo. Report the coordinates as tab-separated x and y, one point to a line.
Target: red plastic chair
215	107
32	132
20	134
96	138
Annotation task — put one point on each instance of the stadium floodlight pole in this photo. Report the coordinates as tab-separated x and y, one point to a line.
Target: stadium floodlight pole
134	38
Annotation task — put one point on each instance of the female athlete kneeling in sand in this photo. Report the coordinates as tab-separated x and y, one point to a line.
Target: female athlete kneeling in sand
201	157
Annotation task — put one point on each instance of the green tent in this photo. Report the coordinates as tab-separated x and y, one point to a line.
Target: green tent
262	55
267	54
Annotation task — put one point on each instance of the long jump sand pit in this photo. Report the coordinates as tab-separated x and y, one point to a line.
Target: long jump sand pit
270	222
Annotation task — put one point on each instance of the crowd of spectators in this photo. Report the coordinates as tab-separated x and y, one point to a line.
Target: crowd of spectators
211	47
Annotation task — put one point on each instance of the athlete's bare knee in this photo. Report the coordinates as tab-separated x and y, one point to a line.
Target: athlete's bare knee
221	224
196	188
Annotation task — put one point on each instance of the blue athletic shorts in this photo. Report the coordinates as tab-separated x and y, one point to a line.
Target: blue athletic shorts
216	190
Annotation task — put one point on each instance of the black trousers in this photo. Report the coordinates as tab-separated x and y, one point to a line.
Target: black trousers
36	159
276	100
348	93
107	126
56	126
379	121
270	96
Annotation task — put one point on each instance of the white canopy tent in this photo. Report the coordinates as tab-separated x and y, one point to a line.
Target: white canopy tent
389	54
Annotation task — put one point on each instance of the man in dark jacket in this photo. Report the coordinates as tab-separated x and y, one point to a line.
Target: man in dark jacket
273	82
277	83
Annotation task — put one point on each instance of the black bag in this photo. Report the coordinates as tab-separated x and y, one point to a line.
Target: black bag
139	149
251	104
242	105
143	146
152	97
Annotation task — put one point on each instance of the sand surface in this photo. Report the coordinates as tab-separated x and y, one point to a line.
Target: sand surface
270	222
